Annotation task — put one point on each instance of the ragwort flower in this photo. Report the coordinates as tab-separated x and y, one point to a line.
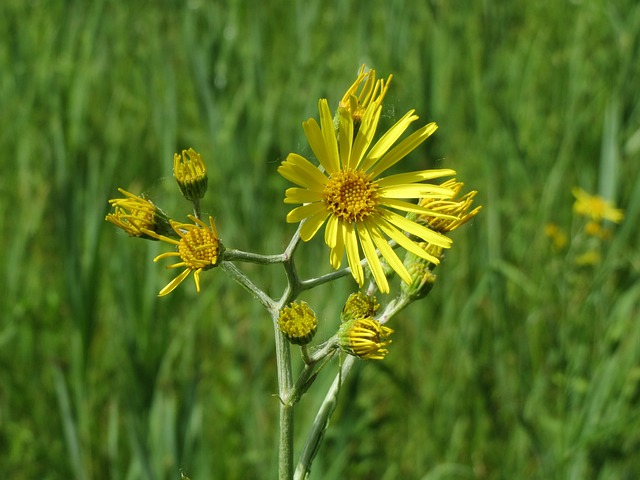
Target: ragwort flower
453	212
365	338
372	92
352	197
190	173
133	214
595	207
298	322
199	249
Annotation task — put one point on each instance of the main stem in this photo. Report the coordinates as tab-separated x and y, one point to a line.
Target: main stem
285	381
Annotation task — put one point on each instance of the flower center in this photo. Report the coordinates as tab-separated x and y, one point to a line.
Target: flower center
199	249
350	196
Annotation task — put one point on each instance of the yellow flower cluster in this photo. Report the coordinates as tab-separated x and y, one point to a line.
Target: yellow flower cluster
198	247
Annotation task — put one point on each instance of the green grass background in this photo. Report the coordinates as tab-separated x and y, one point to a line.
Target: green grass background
520	364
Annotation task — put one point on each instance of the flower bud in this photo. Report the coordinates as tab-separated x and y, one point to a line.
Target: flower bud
422	277
191	174
298	322
359	305
364	338
133	214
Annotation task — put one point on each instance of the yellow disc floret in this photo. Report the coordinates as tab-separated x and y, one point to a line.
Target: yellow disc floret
350	195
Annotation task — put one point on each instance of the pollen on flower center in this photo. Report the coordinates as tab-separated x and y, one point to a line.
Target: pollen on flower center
350	195
199	248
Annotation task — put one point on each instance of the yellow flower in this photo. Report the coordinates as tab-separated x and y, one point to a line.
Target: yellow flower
199	249
359	305
134	214
595	207
595	229
350	195
364	338
372	92
556	235
190	173
298	322
451	212
588	258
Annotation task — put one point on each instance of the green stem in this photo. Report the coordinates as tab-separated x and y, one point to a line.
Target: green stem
250	257
393	308
285	381
196	208
243	280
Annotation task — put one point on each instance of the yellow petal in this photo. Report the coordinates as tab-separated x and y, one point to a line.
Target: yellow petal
174	283
337	252
302	195
416	229
416	190
312	225
353	255
414	177
196	278
300	171
305	211
404	241
412	207
345	137
403	149
329	134
387	252
316	141
372	257
331	232
365	135
388	139
167	255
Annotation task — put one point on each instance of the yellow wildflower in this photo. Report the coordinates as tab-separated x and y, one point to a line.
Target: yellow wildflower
199	249
595	207
352	198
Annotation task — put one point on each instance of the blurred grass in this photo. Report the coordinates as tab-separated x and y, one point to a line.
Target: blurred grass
519	365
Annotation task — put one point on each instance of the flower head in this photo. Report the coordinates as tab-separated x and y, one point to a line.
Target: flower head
133	214
451	212
190	173
354	199
595	207
365	91
557	236
364	338
198	249
359	305
588	258
298	322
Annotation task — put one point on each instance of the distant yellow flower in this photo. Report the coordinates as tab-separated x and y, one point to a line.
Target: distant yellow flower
133	214
353	199
591	257
372	92
190	173
595	229
364	338
595	207
451	212
199	249
556	235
